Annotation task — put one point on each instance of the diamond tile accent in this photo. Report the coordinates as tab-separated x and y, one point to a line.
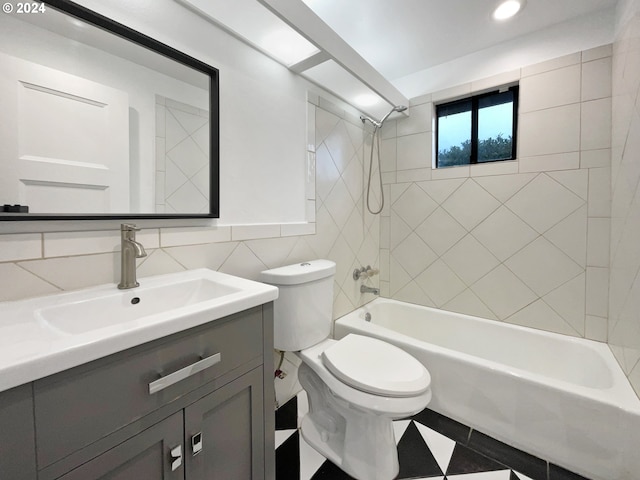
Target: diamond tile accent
189	121
503	187
568	301
398	276
414	255
470	260
339	203
174	178
570	236
414	205
187	198
575	180
470	204
440	190
469	303
340	146
544	202
540	315
542	266
399	231
503	292
326	172
325	123
440	283
412	293
504	233
352	177
440	231
188	156
175	133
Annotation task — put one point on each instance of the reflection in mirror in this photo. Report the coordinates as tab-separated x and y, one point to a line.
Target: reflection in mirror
94	125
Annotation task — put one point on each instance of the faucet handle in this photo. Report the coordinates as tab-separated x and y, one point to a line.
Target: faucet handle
129	227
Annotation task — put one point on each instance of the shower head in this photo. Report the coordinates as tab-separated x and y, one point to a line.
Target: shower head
397	108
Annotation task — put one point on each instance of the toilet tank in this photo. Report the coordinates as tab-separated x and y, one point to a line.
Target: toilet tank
303	311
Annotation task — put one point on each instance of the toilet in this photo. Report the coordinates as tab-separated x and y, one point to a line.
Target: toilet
356	386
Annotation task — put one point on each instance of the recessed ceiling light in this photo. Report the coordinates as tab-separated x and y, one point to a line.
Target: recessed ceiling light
508	9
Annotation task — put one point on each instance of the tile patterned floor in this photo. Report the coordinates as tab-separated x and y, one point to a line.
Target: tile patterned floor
430	446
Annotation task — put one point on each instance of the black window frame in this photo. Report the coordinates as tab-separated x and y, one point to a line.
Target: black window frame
460	105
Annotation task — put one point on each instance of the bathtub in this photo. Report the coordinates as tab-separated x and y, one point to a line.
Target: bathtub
561	398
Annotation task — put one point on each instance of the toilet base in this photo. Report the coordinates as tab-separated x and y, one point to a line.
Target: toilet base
361	443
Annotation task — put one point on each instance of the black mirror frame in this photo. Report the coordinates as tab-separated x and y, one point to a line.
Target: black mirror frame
104	23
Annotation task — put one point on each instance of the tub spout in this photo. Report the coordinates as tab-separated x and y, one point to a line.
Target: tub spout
365	289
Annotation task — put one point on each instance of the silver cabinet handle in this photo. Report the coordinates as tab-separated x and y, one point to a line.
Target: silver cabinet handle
175	458
183	373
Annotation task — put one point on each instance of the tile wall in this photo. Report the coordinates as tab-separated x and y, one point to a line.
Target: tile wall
523	241
624	298
34	264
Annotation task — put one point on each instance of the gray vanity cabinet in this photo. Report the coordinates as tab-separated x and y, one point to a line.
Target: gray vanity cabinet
224	431
17	435
124	417
140	457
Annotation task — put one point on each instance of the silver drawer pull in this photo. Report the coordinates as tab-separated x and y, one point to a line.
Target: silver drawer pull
183	373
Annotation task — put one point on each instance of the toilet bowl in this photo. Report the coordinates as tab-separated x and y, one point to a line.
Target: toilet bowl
356	386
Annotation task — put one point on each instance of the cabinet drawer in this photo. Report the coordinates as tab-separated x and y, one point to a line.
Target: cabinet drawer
77	407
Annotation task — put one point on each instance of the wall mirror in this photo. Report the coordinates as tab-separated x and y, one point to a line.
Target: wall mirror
102	122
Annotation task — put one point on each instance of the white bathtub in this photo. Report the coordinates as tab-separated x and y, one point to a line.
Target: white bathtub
563	399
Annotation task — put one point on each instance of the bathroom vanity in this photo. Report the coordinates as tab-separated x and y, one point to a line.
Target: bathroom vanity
193	404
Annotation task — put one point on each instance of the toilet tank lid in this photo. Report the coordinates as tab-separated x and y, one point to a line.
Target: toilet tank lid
299	273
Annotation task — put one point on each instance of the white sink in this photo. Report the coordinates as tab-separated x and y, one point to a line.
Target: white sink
110	309
45	335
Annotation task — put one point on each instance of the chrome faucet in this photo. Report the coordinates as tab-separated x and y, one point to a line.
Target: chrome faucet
365	289
130	251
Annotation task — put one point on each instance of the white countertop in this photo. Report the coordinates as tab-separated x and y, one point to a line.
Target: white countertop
32	348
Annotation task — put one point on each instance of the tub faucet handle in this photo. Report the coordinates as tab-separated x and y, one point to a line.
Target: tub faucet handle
364	272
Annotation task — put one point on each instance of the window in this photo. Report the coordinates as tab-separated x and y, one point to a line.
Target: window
477	129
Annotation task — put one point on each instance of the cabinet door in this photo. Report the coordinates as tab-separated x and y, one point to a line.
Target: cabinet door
230	426
17	435
150	455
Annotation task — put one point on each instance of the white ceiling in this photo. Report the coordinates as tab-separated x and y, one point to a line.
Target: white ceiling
395	50
402	38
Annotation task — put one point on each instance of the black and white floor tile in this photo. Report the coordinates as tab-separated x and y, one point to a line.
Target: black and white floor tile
430	446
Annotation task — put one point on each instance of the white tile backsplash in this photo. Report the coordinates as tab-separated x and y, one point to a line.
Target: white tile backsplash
20	246
171	237
17	282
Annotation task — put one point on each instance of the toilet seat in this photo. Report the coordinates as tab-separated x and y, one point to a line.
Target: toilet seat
388	406
376	367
